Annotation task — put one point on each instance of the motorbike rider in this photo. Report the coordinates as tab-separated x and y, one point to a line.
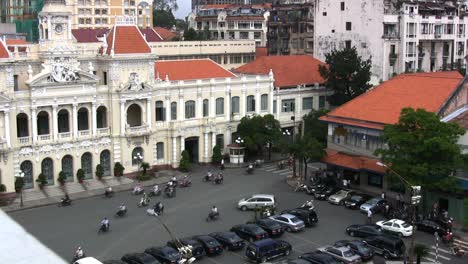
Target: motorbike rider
138	188
158	208
144	200
66	199
109	191
105	223
155	189
458	250
209	174
219	177
122	208
79	254
174	180
214	212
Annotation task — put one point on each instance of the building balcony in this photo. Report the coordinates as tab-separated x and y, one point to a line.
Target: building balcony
64	135
103	131
84	133
47	137
24	141
391	35
137	130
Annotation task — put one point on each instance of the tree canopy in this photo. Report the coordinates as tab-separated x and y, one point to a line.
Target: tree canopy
347	74
163	18
423	150
258	130
165	5
314	127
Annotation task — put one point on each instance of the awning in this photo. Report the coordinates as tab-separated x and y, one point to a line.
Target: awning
353	162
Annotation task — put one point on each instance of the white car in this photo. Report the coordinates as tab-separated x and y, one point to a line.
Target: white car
87	260
257	200
400	227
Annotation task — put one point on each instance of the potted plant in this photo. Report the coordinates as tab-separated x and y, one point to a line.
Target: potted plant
2	188
217	156
19	184
80	175
99	171
62	178
145	166
184	162
118	169
41	180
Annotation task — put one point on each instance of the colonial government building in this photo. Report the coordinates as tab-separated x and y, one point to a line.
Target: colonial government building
65	105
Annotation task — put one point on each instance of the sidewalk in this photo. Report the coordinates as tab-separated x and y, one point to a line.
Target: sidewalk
53	194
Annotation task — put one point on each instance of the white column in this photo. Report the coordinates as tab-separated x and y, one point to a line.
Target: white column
213	140
123	120
212	105
174	149
182	144
228	136
49	28
270	103
278	107
206	147
299	105
94	119
168	108
181	114
149	119
227	111
7	127
243	103
55	122
75	121
34	125
199	111
257	102
69	28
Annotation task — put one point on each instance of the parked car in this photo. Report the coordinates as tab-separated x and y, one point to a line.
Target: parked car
297	261
324	192
139	258
357	247
319	258
388	247
291	223
340	196
165	255
356	200
258	200
109	262
377	205
229	240
309	217
273	228
87	260
197	249
396	226
250	232
341	253
431	227
266	249
364	230
211	245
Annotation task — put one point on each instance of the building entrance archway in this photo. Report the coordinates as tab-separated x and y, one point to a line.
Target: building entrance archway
191	146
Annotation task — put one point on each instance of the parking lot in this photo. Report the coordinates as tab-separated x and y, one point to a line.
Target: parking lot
63	229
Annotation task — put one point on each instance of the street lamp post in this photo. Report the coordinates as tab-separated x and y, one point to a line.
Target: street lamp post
21	175
239	141
415	200
138	159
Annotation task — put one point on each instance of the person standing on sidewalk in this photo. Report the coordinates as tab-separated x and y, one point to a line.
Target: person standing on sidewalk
383	195
369	217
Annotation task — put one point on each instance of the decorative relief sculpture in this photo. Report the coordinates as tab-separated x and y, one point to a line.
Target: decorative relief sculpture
62	72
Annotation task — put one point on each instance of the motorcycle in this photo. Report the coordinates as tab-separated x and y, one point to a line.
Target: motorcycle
218	180
457	251
103	228
300	187
212	217
65	202
448	238
143	202
281	165
138	191
208	177
185	183
308	205
121	213
250	170
170	192
108	194
175	182
153	193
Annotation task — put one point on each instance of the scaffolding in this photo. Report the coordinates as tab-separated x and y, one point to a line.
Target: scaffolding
24	14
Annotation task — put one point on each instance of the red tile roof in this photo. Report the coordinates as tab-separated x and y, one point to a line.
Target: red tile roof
88	35
151	35
352	162
165	33
289	71
216	6
261	51
190	70
126	40
16	42
3	51
383	104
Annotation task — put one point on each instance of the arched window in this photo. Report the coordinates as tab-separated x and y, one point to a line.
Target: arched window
63	121
264	102
137	156
160	111
235	105
47	168
250	103
27	168
22	126
220	106
101	117
87	165
67	167
173	111
104	160
190	109
43	127
206	107
160	150
83	119
134	115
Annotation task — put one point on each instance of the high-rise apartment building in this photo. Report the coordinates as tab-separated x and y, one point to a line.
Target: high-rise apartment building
221	2
22	13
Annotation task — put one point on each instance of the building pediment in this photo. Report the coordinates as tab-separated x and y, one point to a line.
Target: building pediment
62	77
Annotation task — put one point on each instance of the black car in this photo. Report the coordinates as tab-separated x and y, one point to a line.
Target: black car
324	192
431	227
250	232
197	249
356	200
229	240
297	261
165	255
273	228
357	247
211	245
113	262
364	230
319	258
309	217
266	249
139	258
388	247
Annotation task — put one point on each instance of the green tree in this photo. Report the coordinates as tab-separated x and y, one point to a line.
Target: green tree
347	74
62	178
423	149
421	251
165	5
305	149
190	34
314	127
163	18
2	188
118	169
145	166
19	184
80	175
99	171
216	154
257	131
184	164
41	180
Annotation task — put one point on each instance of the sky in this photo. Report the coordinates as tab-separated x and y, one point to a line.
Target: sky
185	7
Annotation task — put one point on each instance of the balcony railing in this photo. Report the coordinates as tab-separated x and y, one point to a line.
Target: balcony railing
391	35
137	129
83	133
44	137
103	131
64	135
24	140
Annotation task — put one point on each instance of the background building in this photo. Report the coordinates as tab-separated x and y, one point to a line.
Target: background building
196	3
22	13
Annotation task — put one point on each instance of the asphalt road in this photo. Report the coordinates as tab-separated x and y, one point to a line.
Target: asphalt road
64	228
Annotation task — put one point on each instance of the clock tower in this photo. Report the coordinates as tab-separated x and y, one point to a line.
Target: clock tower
55	21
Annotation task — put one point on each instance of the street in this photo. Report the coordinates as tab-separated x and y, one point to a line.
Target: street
64	228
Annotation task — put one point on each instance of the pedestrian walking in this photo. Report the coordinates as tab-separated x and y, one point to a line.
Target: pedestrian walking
345	183
369	216
383	195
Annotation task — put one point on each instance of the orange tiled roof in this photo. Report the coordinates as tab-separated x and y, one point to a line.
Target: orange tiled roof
3	51
216	6
352	162
383	104
16	42
190	70
261	51
289	71
126	40
165	33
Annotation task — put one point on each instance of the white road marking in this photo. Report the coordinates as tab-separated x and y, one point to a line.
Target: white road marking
461	242
442	250
440	256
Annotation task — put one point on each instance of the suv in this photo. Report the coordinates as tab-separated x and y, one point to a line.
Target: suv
319	258
388	247
257	200
340	196
266	249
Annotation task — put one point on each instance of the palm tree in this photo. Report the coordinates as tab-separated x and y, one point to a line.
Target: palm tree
145	166
421	251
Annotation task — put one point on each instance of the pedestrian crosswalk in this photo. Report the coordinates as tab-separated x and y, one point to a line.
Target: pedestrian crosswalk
442	253
273	168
